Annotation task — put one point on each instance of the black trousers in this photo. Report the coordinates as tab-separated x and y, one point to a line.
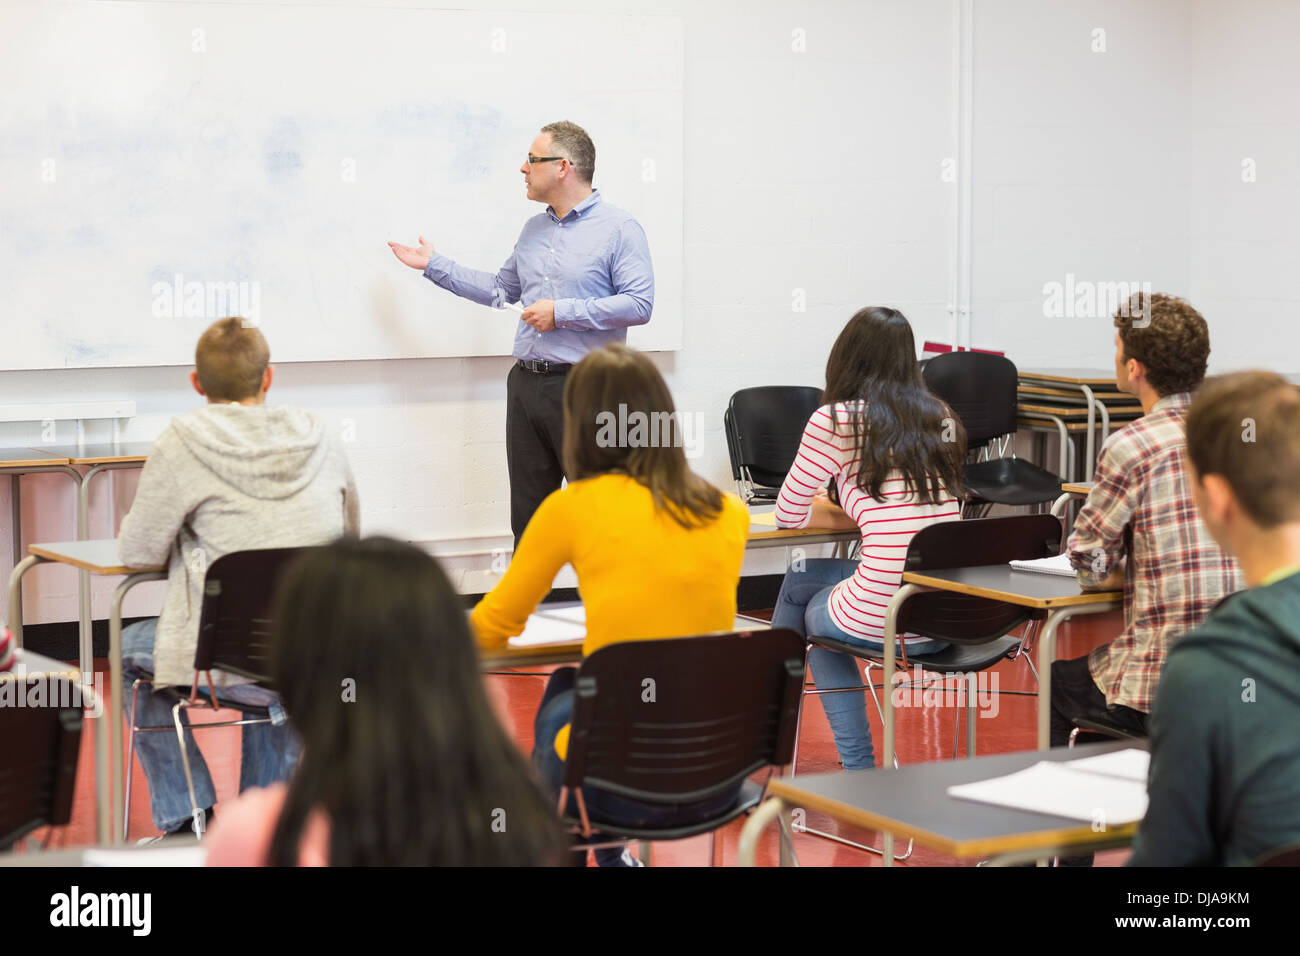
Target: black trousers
534	441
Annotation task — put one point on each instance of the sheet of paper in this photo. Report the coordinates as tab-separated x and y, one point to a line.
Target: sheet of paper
151	856
542	630
574	615
1061	791
1057	564
1130	764
765	518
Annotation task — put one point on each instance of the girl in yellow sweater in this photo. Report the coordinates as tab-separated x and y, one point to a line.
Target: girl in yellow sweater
656	548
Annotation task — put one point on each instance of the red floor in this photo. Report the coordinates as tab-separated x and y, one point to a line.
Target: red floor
923	733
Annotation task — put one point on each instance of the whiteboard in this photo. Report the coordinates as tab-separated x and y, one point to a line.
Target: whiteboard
256	158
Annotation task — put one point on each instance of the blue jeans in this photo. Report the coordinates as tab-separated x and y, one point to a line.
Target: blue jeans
802	607
556	710
269	752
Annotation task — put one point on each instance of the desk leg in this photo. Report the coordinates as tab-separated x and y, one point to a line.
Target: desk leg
1047	654
112	802
16	506
771	809
1090	464
15	621
890	636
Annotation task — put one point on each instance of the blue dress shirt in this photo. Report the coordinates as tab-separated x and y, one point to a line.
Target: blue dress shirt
595	264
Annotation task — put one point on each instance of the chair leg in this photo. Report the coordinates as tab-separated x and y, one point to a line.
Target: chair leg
130	754
189	776
798	715
644	852
715	847
970	716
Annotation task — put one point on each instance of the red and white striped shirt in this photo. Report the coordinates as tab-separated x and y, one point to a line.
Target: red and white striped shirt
857	605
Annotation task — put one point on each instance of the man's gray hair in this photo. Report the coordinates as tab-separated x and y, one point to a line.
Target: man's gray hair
572	142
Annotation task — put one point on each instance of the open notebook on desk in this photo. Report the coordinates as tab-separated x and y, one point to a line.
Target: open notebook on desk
1057	564
1110	787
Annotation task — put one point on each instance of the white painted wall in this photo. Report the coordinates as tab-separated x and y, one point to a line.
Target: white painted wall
820	170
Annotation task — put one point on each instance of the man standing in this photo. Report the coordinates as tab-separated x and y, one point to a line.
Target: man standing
582	270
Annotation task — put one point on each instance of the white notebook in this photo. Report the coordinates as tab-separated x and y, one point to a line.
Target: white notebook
1057	564
1060	789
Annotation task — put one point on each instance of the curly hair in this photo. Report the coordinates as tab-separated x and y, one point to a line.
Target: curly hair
1169	337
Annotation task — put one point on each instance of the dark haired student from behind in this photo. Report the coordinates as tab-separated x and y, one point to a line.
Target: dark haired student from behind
894	453
404	761
1224	784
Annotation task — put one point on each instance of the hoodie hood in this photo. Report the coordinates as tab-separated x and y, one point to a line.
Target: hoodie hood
1256	631
264	451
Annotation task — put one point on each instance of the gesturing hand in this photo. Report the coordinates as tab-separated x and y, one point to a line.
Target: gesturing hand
415	257
541	315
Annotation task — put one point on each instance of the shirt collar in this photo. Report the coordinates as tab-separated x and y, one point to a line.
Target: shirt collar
1173	400
579	210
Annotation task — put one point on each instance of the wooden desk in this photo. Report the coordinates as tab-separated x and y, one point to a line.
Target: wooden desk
913	802
26	664
506	658
98	457
94	557
1060	597
1086	381
16	462
763	533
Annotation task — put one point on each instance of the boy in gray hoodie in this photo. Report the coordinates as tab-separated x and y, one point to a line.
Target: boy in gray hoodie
233	475
1224	783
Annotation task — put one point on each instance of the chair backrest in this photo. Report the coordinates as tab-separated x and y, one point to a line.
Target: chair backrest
961	618
39	744
235	622
981	390
683	719
764	426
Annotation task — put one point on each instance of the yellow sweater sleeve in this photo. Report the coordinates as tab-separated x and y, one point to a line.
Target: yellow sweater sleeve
545	547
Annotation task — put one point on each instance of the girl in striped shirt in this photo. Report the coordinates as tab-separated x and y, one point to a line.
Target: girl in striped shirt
892	454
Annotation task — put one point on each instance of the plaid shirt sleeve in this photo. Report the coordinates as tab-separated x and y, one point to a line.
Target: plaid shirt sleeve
1099	541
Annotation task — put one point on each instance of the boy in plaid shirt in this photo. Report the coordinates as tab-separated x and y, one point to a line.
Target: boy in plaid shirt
1139	527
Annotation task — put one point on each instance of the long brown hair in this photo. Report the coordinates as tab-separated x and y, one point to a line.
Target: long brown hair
374	659
619	419
902	425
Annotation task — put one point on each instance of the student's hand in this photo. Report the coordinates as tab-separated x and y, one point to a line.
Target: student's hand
416	258
541	315
829	516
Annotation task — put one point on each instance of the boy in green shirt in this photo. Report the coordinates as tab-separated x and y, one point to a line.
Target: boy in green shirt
1224	783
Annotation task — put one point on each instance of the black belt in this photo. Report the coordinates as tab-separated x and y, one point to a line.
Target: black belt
542	368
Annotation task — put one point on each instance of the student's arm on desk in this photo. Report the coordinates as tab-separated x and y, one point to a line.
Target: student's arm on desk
160	507
829	516
1098	546
545	547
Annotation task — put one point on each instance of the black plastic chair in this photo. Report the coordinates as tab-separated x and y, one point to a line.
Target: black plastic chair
975	628
688	736
1100	726
38	757
981	389
764	426
235	626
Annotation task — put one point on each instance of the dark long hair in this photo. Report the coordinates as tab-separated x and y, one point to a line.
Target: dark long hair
609	387
902	425
374	660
